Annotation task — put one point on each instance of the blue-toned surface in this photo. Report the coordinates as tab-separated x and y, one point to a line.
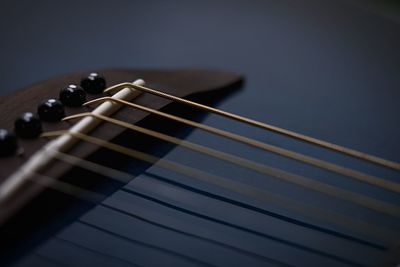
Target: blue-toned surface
327	69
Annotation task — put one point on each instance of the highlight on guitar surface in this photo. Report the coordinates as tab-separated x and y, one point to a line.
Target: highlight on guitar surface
99	111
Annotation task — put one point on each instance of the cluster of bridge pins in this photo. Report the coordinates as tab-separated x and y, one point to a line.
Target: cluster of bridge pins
29	125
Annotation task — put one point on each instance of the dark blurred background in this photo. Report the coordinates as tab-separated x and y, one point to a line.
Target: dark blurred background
276	39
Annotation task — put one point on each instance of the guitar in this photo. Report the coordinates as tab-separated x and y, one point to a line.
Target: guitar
292	163
132	186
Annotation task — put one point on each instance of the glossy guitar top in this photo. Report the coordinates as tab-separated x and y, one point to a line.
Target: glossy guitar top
283	194
325	69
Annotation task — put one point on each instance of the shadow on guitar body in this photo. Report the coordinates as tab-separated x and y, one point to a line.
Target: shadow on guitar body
51	211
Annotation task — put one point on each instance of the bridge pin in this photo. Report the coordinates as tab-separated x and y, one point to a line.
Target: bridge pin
94	83
51	110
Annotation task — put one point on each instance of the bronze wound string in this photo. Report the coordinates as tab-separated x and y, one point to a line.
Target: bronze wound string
302	137
97	198
355	198
353	224
126	177
360	176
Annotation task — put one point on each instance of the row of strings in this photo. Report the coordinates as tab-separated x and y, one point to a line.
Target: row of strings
353	224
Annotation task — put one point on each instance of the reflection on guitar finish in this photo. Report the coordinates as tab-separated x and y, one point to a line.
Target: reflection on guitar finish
132	172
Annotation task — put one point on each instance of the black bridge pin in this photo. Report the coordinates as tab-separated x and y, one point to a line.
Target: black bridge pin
28	125
94	83
51	110
73	95
8	143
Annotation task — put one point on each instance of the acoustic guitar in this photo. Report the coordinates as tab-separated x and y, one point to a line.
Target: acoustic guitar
282	149
132	167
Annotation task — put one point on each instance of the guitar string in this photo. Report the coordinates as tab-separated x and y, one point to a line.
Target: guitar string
97	198
117	175
315	141
352	224
73	190
360	176
355	198
69	189
124	177
148	246
66	188
254	208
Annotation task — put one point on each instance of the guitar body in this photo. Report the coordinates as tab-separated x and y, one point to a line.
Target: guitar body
332	78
